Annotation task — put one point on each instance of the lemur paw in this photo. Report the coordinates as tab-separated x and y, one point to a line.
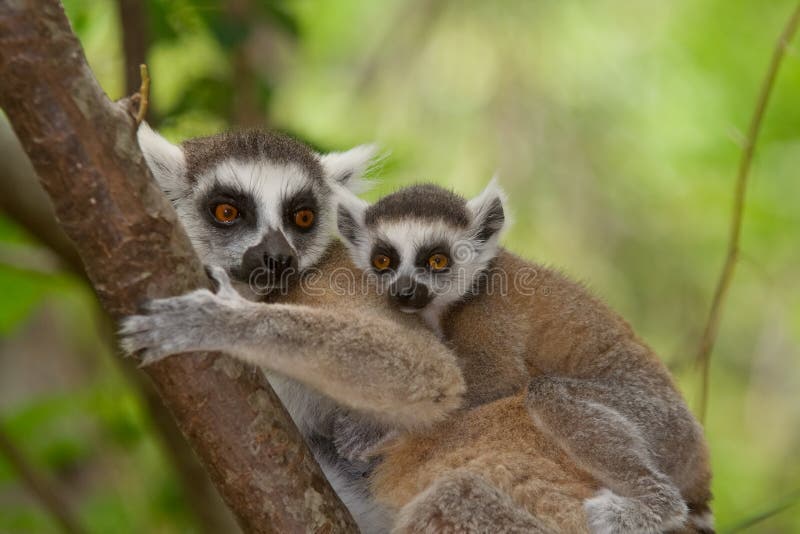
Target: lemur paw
190	322
609	513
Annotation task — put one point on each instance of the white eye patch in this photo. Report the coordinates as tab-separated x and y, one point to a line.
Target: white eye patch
269	184
410	236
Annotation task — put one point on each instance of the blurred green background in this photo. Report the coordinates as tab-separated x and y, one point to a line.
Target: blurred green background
614	125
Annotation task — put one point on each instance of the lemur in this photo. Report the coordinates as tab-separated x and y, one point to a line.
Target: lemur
590	382
258	208
343	363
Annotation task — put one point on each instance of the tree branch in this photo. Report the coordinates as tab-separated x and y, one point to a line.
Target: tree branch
703	357
84	150
24	201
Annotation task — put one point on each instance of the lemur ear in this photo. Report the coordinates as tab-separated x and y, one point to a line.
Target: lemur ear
350	213
347	168
488	212
166	161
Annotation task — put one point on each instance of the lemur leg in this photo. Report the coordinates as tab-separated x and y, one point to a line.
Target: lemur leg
404	377
463	502
641	498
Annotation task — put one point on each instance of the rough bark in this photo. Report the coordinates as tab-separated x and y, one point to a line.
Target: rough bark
24	201
84	150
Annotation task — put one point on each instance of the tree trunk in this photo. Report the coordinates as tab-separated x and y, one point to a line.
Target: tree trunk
84	149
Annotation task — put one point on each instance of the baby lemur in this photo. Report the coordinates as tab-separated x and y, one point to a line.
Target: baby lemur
590	383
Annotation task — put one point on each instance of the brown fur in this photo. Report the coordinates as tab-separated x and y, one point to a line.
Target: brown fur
500	443
501	343
359	352
560	329
536	345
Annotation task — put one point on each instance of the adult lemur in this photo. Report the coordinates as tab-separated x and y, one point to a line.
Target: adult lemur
258	207
597	389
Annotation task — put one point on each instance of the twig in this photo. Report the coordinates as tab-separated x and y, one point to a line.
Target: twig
39	486
144	94
724	282
136	37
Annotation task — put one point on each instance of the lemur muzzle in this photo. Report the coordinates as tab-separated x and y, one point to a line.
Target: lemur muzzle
408	293
273	257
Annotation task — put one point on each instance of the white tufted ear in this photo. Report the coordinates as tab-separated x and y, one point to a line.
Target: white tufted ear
167	162
347	168
488	212
350	211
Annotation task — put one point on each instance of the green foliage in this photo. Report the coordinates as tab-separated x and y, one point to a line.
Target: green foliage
616	127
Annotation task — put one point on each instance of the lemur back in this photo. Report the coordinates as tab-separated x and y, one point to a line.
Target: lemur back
559	329
590	383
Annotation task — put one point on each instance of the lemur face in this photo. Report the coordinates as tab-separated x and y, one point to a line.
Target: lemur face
258	204
425	245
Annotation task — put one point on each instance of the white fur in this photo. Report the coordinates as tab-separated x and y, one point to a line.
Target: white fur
371	517
609	513
268	183
702	522
309	410
347	168
165	160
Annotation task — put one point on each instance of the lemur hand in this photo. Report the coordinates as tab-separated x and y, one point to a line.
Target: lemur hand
187	323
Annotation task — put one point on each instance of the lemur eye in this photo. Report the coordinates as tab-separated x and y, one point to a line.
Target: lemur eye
225	213
438	262
381	262
304	218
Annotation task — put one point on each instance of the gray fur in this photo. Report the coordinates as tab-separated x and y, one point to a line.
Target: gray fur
420	202
205	153
332	359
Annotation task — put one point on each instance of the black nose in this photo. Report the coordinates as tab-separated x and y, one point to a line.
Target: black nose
279	263
268	261
406	292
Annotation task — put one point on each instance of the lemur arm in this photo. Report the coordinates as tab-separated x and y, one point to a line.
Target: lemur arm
404	377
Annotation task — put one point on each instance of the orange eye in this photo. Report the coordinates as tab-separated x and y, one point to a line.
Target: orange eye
225	213
381	262
304	218
438	262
